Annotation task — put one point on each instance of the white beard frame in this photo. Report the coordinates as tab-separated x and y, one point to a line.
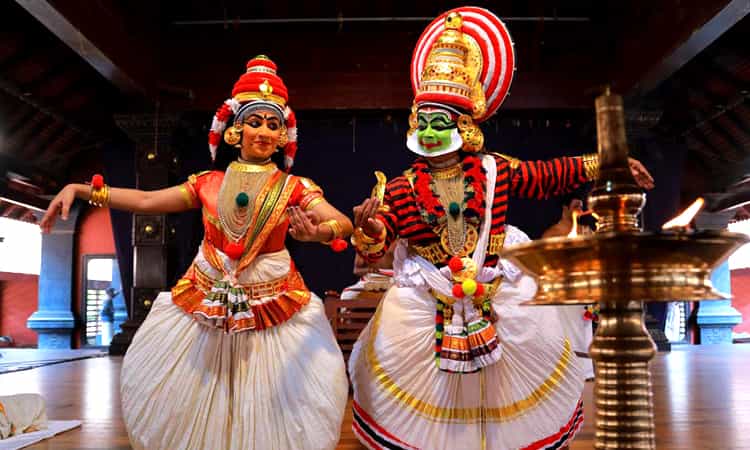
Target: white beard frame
412	142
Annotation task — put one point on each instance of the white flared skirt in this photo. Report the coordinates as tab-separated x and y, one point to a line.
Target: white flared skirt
531	398
580	332
188	386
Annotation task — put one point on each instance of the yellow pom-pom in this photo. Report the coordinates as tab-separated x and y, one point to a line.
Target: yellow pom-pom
469	286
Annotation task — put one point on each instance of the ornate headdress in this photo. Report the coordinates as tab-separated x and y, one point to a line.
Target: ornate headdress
258	87
465	60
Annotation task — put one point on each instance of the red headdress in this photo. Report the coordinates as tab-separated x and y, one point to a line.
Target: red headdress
259	86
464	59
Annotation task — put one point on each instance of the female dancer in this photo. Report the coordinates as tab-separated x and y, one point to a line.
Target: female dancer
239	355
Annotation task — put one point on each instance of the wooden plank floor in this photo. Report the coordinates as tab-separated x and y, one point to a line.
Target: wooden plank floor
701	395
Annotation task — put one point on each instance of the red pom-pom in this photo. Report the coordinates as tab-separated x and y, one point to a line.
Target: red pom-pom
455	264
458	290
480	290
338	245
97	181
234	250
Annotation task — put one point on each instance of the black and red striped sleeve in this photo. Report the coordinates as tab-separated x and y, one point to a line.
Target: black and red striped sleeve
545	179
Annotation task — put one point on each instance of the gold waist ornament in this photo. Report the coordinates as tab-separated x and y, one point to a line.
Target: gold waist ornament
439	252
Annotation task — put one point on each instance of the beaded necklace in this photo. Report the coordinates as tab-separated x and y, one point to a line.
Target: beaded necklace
242	183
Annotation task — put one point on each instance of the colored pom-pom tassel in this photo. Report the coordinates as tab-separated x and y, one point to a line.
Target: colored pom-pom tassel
97	181
455	264
480	290
469	287
338	245
458	291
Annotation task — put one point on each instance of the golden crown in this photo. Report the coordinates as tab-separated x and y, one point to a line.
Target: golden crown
454	65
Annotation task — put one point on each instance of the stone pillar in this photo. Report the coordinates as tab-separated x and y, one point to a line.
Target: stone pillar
716	318
152	138
54	321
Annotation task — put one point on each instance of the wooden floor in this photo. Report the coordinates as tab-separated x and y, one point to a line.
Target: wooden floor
701	395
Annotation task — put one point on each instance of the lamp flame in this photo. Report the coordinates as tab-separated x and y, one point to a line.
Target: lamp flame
574	230
684	218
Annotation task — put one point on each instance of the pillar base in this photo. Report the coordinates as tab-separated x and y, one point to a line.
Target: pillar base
55	328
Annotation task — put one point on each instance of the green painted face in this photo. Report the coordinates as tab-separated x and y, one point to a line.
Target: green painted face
434	130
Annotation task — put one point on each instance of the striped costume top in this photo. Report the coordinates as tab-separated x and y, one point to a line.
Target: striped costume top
404	209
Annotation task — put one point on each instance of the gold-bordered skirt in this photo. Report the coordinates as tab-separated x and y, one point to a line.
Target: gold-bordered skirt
529	399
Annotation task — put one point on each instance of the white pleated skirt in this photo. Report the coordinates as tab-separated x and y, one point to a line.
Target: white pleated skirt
188	386
531	398
580	332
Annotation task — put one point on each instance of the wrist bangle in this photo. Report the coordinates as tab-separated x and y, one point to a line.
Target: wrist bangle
591	165
100	192
366	244
335	228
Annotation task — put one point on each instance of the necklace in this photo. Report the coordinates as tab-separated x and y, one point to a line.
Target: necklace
242	165
450	199
236	203
447	173
450	190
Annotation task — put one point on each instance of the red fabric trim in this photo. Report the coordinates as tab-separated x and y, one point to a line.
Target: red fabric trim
266	315
250	82
261	62
571	427
456	100
359	432
366	417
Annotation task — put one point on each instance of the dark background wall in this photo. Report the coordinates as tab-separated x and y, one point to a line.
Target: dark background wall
340	150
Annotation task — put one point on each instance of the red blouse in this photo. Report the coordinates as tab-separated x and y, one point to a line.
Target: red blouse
265	235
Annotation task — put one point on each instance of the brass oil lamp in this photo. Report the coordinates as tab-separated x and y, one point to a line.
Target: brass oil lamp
620	267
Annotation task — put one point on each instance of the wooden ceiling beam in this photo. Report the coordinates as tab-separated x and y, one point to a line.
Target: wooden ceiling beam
733	117
710	147
44	139
99	33
22	199
673	34
719	141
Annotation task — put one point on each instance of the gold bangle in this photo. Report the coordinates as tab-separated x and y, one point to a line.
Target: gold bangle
591	165
366	244
335	227
100	197
369	249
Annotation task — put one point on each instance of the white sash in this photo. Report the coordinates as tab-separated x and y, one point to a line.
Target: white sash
412	270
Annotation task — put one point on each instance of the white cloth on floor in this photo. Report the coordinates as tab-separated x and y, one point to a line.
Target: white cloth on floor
21	412
54	427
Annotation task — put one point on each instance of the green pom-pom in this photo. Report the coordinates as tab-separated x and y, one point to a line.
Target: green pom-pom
242	199
454	209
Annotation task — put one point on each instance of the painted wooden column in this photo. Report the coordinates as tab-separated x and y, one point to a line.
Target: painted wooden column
716	318
152	138
53	321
